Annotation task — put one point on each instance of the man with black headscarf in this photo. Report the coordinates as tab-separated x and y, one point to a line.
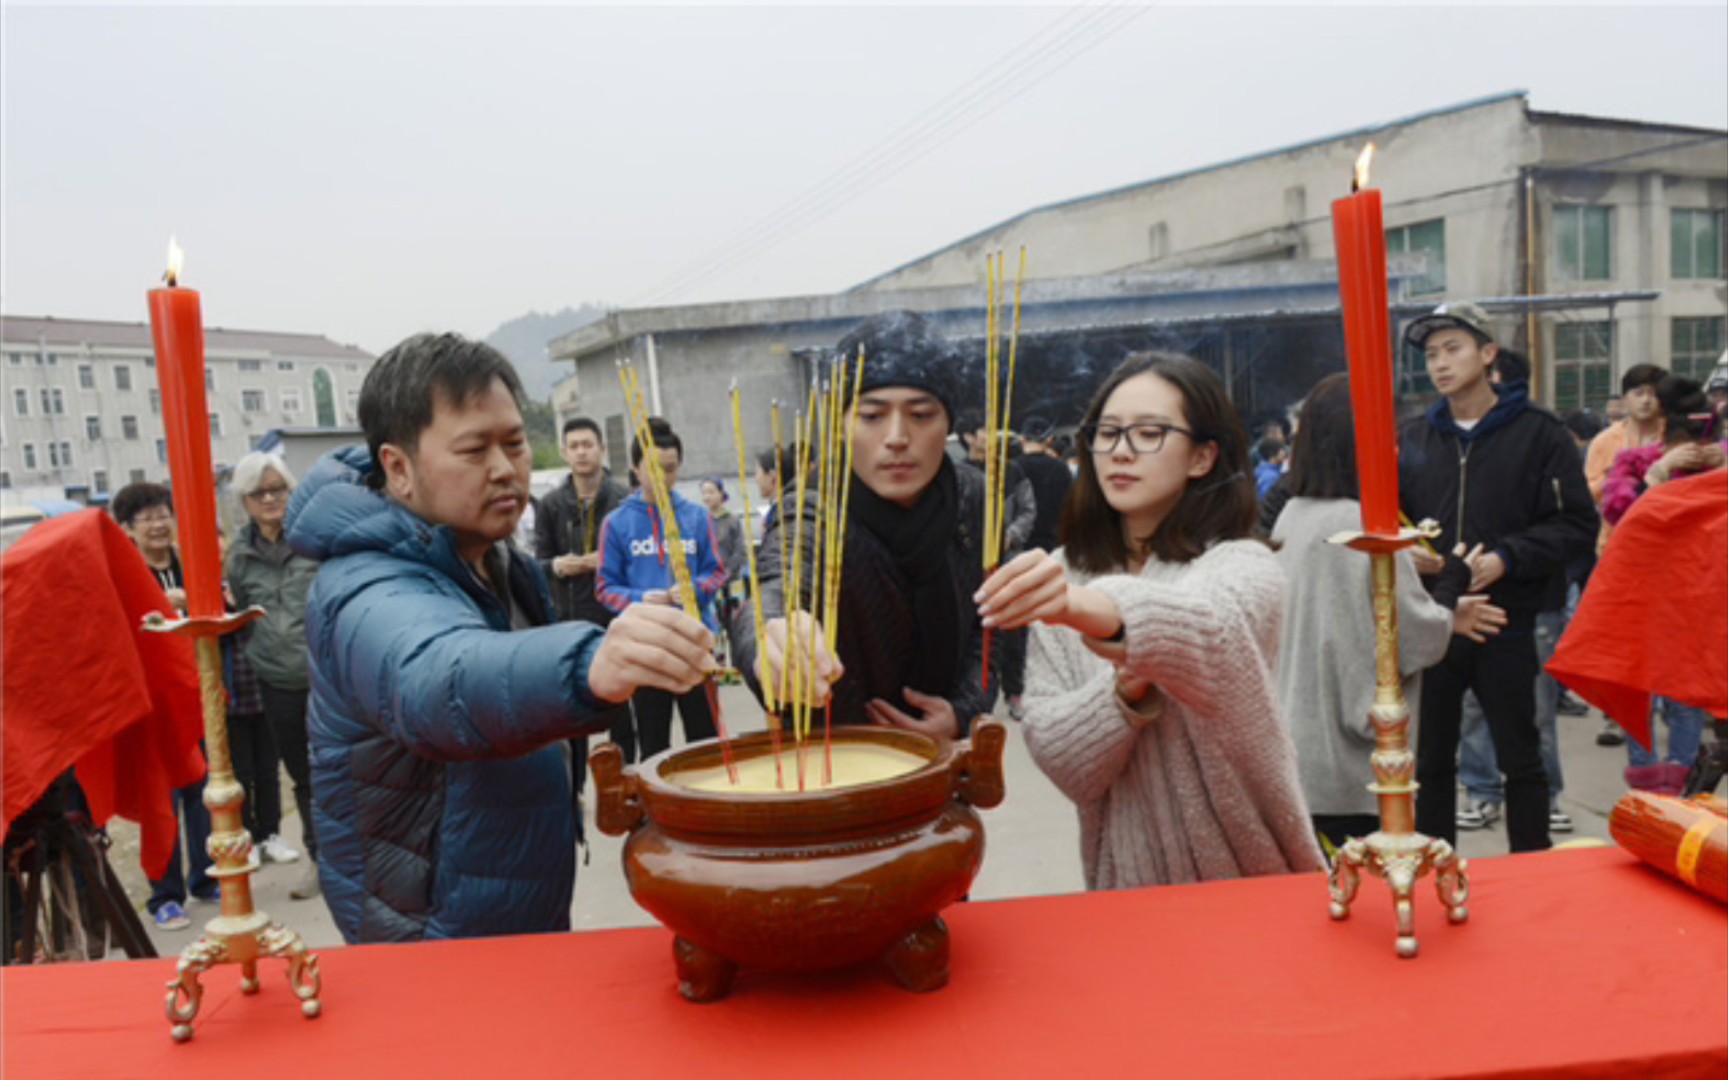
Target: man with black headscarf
908	636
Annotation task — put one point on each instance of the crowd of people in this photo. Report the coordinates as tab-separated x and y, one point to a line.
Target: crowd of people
1190	658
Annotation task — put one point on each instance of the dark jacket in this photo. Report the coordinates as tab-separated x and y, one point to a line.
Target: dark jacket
276	579
878	633
442	804
563	526
1050	481
1513	483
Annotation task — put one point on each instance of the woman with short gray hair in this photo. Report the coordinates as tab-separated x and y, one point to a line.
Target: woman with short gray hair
263	570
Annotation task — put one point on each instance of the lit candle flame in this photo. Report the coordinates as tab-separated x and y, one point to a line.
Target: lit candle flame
1361	180
176	258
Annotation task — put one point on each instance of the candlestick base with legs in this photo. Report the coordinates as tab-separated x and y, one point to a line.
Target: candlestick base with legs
1396	852
240	934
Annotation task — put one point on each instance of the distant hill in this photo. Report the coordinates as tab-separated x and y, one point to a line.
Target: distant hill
523	339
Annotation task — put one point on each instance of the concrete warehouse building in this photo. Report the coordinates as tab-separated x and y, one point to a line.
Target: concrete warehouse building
1595	243
83	414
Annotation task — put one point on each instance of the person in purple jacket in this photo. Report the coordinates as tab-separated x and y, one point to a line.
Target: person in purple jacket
635	568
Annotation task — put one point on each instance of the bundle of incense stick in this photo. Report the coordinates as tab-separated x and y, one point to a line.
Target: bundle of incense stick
1683	838
998	412
671	542
823	449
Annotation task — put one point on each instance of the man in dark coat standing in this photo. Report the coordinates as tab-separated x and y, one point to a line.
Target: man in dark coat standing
1504	480
567	544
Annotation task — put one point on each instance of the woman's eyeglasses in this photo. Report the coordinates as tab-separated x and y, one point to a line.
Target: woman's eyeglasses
269	494
1142	438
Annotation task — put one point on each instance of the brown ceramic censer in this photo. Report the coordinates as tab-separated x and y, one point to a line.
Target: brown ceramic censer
787	881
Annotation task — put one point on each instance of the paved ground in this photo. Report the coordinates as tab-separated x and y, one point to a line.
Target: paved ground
1033	840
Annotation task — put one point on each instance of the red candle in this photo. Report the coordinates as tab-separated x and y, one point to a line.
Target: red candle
177	325
1361	242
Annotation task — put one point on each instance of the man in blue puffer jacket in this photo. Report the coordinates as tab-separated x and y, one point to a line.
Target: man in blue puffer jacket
442	690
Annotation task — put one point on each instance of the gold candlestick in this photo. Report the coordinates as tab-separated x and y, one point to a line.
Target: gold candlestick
1397	852
240	934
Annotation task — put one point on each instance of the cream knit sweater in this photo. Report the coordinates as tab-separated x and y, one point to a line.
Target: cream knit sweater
1208	790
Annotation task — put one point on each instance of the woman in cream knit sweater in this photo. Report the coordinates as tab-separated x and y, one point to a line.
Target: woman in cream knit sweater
1150	696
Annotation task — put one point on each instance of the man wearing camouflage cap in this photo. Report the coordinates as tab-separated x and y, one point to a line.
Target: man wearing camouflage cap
1504	480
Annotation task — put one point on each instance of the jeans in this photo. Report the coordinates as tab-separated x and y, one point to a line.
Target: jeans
258	770
1685	732
190	808
654	718
1502	672
1476	768
285	712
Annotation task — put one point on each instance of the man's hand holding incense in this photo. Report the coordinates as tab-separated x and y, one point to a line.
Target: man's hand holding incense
815	670
650	645
936	719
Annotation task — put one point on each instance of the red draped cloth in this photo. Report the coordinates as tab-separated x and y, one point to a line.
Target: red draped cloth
86	688
1654	620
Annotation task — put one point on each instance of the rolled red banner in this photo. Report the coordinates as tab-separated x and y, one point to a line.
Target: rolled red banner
177	327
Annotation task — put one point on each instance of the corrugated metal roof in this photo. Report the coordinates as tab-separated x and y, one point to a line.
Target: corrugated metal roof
29	330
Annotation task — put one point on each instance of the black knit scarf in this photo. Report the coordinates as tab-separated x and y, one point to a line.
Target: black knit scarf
918	539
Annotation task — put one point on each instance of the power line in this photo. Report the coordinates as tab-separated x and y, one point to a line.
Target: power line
1028	64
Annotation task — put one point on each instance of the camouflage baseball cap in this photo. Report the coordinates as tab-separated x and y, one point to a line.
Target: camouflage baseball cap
1459	316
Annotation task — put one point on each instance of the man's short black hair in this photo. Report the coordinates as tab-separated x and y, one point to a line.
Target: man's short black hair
582	423
1641	375
397	398
134	499
785	462
1513	366
664	439
1583	424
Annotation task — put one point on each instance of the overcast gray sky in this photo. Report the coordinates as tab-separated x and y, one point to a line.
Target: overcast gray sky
366	173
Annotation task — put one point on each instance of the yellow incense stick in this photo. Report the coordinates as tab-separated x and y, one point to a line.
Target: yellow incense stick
749	548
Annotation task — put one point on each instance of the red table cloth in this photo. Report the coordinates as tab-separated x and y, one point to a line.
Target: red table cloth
1575	963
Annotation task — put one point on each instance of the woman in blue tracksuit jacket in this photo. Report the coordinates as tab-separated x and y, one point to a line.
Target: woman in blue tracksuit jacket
633	565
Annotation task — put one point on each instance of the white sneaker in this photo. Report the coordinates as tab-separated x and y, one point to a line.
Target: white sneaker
276	849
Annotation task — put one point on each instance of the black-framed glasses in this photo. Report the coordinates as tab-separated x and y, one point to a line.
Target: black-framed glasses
1142	438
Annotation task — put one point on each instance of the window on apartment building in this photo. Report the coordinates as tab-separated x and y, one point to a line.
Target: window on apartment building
1158	240
21	401
93	428
29	455
1696	248
284	365
1693	346
162	451
86	376
53	359
216	425
251	365
209	378
59	455
129	427
15	358
156	401
290	399
122	376
1423	238
1583	365
5	478
136	476
99	482
53	401
1583	249
353	404
252	401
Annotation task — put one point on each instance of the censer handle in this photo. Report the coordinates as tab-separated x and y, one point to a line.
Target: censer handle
978	765
618	804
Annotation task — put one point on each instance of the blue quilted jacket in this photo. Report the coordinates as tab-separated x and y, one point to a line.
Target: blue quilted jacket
441	787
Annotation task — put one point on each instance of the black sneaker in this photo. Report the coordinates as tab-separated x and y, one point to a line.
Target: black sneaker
1610	735
1571	706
